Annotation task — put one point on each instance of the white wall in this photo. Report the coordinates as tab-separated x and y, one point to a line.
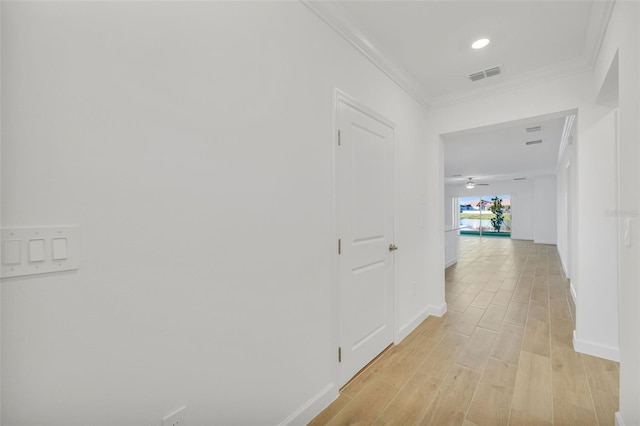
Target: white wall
450	248
522	219
566	216
544	210
192	142
521	191
597	289
623	38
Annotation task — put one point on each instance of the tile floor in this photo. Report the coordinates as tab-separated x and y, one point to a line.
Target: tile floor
501	355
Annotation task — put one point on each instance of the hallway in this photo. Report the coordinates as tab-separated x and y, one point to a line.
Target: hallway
502	354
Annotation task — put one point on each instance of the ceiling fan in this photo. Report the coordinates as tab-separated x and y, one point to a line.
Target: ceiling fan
471	184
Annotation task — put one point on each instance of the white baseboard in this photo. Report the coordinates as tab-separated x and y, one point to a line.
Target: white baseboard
574	295
412	324
619	421
450	263
307	411
437	311
595	349
564	268
551	243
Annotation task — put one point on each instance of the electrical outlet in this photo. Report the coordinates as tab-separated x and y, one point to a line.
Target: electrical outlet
177	418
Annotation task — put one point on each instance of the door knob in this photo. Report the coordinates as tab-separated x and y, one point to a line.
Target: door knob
392	247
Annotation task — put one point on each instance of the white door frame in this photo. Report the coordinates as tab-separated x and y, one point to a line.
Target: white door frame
340	96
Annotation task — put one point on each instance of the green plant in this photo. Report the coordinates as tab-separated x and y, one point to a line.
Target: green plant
498	210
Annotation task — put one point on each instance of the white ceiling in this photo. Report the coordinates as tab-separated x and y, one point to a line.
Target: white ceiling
500	153
425	46
432	40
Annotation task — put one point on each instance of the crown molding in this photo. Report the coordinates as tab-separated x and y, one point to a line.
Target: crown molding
334	15
596	29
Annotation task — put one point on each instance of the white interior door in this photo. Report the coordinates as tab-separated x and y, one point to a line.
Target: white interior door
364	179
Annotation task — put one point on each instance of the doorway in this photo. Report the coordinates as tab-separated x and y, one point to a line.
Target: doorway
364	188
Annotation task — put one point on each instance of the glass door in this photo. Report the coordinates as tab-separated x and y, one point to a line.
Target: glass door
485	215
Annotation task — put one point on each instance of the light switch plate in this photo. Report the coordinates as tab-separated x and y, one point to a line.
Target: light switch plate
37	250
40	250
59	248
177	418
11	252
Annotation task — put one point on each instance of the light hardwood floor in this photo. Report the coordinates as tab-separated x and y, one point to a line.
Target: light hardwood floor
501	355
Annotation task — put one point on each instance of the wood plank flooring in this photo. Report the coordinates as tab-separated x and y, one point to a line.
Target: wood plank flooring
501	355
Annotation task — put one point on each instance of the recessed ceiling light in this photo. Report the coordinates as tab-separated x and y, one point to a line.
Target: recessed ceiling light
479	44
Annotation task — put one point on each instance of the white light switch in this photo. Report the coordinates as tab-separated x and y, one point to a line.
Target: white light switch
31	250
11	252
59	248
36	250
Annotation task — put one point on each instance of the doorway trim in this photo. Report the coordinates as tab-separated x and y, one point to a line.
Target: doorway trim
341	96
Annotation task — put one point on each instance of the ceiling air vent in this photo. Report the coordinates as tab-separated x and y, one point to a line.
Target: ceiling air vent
519	178
476	76
533	129
456	175
485	73
493	71
533	142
